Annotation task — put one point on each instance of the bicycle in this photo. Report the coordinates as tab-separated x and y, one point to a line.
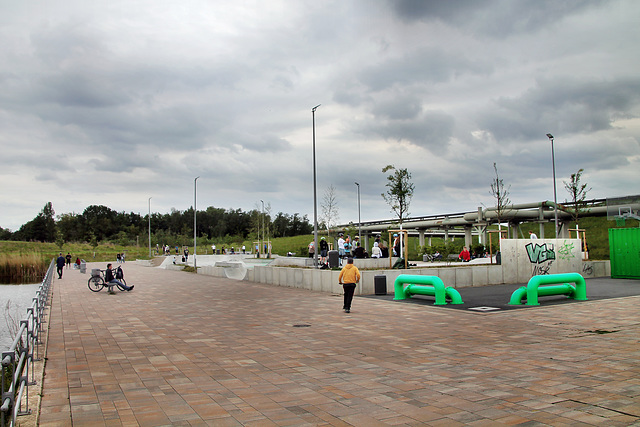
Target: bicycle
96	282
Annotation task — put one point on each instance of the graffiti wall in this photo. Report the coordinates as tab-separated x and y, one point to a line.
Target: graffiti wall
523	259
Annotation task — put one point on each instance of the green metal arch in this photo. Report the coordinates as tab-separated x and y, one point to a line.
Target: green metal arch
425	285
535	288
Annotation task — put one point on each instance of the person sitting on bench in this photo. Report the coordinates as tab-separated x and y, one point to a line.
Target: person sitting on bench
108	278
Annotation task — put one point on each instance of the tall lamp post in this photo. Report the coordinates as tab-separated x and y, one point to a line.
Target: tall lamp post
195	265
149	227
315	194
359	221
555	197
262	245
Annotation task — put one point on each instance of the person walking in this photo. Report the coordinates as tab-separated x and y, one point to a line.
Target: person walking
60	262
349	278
68	259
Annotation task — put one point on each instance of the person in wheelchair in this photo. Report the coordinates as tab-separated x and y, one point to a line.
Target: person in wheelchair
109	278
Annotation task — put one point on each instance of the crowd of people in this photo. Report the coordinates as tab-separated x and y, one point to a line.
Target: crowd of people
348	247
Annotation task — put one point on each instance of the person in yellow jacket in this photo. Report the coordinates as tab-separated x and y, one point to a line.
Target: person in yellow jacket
349	277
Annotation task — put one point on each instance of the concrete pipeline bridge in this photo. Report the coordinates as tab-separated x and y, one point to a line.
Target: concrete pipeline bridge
467	224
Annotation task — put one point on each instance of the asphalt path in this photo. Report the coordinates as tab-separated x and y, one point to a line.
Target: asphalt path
495	298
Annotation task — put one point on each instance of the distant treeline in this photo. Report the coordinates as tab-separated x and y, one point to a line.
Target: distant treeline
100	223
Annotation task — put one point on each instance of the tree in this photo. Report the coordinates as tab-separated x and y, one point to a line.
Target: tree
100	222
578	193
69	227
501	195
5	234
329	208
399	192
281	224
42	228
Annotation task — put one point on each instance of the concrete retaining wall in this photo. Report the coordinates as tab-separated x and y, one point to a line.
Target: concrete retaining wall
327	280
361	263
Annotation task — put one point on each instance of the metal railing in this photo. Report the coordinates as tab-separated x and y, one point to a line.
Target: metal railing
17	362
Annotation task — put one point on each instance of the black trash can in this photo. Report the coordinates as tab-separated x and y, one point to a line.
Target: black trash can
334	260
380	285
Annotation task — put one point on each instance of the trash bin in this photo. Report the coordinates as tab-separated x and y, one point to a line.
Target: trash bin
83	266
380	285
498	258
334	260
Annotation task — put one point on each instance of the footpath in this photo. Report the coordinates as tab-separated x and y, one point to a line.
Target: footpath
185	349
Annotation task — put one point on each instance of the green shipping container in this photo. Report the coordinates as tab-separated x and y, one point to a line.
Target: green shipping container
624	250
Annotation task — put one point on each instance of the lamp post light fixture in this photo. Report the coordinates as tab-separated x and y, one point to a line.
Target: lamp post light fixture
195	265
149	227
555	196
359	221
315	194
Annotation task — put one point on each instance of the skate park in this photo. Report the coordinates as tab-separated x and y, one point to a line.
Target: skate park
483	282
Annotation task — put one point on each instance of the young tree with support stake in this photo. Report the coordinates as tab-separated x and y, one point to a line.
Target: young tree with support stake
501	195
399	193
329	208
578	194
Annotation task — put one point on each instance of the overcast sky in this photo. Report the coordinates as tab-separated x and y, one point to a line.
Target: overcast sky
113	102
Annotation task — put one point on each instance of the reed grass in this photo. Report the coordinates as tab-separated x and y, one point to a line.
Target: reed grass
23	268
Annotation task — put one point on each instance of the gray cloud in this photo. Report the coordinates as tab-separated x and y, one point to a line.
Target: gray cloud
431	129
564	106
421	67
494	18
116	103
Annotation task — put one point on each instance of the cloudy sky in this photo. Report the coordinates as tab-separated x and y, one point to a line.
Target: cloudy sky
113	102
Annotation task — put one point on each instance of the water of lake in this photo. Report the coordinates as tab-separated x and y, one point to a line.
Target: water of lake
21	297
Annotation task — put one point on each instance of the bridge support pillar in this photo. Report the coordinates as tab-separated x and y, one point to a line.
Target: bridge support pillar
467	237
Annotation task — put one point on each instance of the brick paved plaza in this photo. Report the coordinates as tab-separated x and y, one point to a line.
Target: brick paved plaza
186	349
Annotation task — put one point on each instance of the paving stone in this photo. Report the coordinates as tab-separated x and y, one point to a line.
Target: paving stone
186	349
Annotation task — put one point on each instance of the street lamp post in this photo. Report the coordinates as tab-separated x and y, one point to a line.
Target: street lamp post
149	227
555	197
195	235
359	221
262	245
315	194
